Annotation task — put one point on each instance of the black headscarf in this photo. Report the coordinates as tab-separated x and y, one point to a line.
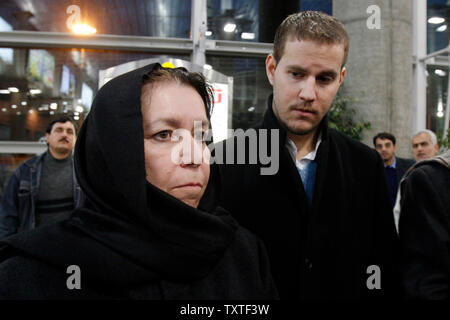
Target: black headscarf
129	231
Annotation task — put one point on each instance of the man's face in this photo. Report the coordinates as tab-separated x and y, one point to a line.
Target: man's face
386	148
61	139
305	82
423	148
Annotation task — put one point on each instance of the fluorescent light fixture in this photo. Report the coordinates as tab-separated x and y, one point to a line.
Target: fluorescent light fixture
53	106
442	28
79	109
436	20
24	103
4	91
52	112
248	35
440	72
4	109
207	67
76	118
208	33
14	106
229	27
35	91
83	29
13	89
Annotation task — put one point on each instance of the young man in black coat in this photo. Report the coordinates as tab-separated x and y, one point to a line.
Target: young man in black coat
395	167
320	201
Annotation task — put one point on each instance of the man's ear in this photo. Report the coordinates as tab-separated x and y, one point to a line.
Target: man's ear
271	65
47	137
342	76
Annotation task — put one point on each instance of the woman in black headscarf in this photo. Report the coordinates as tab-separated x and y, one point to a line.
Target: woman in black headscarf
150	227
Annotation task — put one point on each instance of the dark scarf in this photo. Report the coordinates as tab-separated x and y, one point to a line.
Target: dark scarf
129	231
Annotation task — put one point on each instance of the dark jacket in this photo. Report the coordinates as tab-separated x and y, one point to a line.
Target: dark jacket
425	230
324	253
131	240
18	203
402	166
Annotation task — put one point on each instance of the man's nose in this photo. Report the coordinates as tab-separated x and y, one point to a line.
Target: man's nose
308	89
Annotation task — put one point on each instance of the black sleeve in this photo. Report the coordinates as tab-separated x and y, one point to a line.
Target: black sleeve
387	246
425	232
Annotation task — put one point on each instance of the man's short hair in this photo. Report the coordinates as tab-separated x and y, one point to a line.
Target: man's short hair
432	135
383	135
310	25
61	120
180	75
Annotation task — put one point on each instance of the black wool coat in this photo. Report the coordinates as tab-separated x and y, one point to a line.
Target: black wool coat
424	229
402	166
325	252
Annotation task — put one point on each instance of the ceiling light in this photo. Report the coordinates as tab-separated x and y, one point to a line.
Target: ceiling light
13	89
207	67
24	103
440	114
14	106
436	20
83	29
208	33
4	109
442	28
229	27
248	35
76	113
79	109
52	112
35	91
76	118
30	111
19	113
440	72
251	109
4	91
53	106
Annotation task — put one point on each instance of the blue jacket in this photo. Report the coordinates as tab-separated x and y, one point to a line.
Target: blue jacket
17	206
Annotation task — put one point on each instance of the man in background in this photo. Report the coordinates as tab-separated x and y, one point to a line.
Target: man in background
43	189
395	167
425	145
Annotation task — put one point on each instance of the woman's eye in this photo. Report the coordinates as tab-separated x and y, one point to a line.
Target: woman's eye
163	135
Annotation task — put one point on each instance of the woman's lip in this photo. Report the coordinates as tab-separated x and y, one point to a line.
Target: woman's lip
189	185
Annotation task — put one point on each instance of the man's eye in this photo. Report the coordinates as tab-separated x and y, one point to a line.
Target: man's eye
325	79
163	135
296	74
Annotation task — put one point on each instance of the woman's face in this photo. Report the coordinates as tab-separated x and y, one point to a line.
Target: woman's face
175	162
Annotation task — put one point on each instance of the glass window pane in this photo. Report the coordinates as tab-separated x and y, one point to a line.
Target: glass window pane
233	20
438	16
437	97
155	18
37	85
250	87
